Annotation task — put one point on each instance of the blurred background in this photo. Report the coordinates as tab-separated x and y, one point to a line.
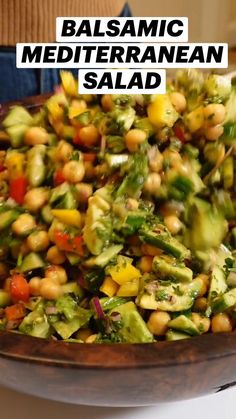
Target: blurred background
209	20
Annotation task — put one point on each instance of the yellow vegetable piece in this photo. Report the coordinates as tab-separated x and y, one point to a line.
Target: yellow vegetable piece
69	83
15	164
161	112
70	216
123	273
195	119
75	111
129	289
109	287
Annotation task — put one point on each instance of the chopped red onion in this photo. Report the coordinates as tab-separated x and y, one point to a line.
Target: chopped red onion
98	307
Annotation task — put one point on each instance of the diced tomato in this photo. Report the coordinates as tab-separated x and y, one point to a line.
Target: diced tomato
2	168
58	178
18	188
15	312
179	132
77	140
19	288
89	157
69	244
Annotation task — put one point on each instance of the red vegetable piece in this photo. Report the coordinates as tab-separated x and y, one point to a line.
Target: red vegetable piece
18	188
19	288
15	312
179	133
69	244
77	140
89	157
58	178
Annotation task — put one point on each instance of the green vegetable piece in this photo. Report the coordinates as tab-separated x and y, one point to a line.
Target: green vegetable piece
145	125
105	257
7	218
58	192
133	221
66	328
137	173
184	324
115	161
223	202
224	302
218	284
164	241
110	303
172	335
229	134
36	323
217	87
134	328
36	169
30	262
168	268
84	118
73	258
46	214
115	143
17	115
72	288
228	172
5	298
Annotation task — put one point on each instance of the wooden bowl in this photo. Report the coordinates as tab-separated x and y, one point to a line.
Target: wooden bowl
119	374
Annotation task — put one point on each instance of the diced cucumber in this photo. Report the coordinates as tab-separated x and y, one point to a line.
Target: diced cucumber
115	161
5	298
67	201
16	134
172	335
224	301
72	288
36	323
31	261
164	241
58	192
169	269
7	218
17	115
184	324
47	215
105	257
73	258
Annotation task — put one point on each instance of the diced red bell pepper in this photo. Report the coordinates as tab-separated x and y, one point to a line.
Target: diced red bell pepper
77	140
69	244
15	312
89	157
17	189
179	133
19	288
58	178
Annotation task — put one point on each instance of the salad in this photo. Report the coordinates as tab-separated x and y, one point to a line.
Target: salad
118	214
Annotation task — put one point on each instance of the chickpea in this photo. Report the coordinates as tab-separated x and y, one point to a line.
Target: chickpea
107	103
172	157
213	133
83	334
73	171
148	249
57	274
55	256
205	284
36	135
158	322
38	241
221	323
89	135
35	199
152	183
134	138
35	284
91	338
172	208
201	322
4	271
178	101
173	224
132	204
214	114
50	289
83	192
145	264
64	151
200	304
23	225
155	160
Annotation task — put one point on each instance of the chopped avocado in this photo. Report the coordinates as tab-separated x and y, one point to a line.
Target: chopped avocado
218	283
133	221
170	269
173	297
105	257
172	335
76	317
36	323
184	324
7	218
30	262
134	328
206	226
164	241
5	298
224	302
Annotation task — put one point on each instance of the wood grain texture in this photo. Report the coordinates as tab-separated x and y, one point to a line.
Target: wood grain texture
119	374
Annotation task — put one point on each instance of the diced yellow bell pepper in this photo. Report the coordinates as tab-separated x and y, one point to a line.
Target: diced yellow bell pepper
109	287
15	164
195	119
161	112
69	83
129	289
122	273
68	216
